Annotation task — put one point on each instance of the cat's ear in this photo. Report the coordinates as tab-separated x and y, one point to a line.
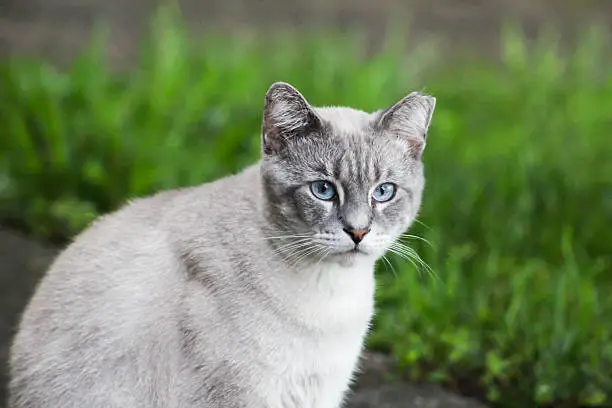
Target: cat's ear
287	114
409	119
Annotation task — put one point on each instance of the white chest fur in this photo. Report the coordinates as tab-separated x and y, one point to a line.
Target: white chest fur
335	303
335	298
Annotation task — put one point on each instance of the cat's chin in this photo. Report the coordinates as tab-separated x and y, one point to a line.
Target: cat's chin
351	257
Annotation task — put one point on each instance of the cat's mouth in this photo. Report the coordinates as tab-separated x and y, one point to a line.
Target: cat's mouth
351	255
356	250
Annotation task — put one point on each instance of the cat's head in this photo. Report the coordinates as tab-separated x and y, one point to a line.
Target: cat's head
339	183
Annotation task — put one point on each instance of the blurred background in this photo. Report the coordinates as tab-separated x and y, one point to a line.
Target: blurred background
506	299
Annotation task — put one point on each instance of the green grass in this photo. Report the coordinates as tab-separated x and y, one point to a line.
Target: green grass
518	206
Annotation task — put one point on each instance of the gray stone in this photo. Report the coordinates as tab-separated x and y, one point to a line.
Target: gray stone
377	388
403	395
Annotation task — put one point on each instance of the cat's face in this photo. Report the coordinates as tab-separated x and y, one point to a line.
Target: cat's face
340	183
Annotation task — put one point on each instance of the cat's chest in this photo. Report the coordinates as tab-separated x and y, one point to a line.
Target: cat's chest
335	299
316	375
312	371
335	308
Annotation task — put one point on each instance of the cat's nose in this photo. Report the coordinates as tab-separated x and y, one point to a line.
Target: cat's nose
356	234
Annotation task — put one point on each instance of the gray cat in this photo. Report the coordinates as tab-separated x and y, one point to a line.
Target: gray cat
253	291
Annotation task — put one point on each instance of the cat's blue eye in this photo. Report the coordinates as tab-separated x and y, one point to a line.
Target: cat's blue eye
384	192
323	190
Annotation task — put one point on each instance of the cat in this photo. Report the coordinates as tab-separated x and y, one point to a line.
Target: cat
252	291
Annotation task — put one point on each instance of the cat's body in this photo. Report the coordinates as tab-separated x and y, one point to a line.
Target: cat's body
190	298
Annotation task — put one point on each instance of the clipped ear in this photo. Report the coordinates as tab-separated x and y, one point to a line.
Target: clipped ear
409	119
287	114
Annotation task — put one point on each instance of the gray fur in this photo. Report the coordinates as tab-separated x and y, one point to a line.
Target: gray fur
240	293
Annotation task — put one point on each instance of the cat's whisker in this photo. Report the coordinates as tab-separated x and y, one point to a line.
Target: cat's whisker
415	258
298	249
290	236
324	254
314	249
422	223
292	247
409	236
411	253
294	257
407	256
319	272
291	250
293	243
388	262
403	256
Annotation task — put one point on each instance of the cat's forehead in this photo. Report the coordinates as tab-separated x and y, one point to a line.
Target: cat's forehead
345	120
351	150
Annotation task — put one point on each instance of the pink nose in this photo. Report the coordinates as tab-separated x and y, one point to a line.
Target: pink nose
356	234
